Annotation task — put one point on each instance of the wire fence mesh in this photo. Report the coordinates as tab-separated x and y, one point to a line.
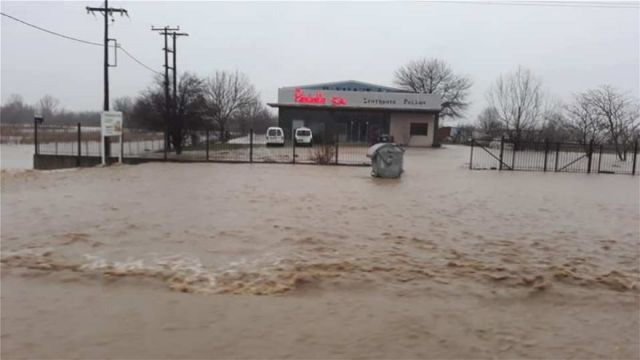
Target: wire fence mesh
199	146
556	157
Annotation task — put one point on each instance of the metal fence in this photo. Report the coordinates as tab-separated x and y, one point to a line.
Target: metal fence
85	141
556	157
203	146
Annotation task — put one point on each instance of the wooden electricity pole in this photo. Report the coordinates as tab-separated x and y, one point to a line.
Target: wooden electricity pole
176	121
170	103
106	11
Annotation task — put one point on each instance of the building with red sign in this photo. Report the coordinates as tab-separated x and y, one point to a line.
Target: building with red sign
355	111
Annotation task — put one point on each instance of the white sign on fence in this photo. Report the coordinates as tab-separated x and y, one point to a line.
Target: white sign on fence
110	125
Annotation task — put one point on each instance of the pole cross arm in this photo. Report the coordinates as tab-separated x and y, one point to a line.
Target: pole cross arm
108	10
165	29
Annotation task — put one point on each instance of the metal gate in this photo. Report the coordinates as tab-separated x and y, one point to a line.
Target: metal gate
557	157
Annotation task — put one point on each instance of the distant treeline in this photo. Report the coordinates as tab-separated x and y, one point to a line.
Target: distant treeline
223	103
16	111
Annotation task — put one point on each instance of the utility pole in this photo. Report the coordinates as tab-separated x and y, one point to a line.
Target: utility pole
167	31
176	123
106	12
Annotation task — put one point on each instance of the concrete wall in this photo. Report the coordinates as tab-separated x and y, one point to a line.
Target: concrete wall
52	162
401	125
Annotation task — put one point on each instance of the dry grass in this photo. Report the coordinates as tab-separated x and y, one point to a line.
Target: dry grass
324	154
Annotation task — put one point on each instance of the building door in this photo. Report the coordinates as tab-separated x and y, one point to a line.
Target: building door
419	134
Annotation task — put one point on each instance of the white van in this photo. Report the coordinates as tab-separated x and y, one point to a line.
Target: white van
275	136
303	136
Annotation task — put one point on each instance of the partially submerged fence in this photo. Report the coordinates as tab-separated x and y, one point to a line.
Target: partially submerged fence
81	142
85	141
556	157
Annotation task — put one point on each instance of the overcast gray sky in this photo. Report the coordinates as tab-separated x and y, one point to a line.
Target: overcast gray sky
284	43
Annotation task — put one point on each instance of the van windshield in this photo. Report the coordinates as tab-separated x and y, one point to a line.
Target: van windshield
274	132
303	132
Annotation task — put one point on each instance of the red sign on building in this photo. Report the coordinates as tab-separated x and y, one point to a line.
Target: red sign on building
317	98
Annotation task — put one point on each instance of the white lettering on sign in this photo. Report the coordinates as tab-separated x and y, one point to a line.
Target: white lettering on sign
111	123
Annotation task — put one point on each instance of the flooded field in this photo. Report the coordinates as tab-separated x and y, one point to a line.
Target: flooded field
167	260
16	156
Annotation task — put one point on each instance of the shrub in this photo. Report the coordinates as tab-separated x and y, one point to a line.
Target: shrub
324	153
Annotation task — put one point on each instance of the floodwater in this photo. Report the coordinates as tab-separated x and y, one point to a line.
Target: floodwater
20	156
167	260
16	156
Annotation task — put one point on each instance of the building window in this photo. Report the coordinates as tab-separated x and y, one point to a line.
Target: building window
419	129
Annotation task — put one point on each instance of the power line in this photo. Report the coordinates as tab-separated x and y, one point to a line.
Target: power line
138	61
549	3
51	32
80	40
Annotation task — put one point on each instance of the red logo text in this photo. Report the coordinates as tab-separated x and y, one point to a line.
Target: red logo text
317	98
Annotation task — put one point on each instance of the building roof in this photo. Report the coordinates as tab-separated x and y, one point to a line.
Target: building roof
349	85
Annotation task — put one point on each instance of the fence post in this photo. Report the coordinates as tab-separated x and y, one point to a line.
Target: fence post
35	135
635	157
56	147
471	156
557	155
122	144
166	144
337	147
501	152
516	146
79	144
293	140
546	153
590	156
600	158
206	145
250	145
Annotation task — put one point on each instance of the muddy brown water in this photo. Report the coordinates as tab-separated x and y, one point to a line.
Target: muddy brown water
281	261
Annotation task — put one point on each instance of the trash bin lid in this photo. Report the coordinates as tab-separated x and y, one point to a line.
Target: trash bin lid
377	147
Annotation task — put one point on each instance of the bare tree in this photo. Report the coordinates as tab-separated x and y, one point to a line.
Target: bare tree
149	109
15	110
190	111
584	120
124	104
435	76
227	94
48	106
255	116
555	126
489	122
518	99
617	113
